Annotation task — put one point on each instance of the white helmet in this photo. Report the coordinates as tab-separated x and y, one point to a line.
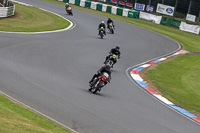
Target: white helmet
102	22
67	4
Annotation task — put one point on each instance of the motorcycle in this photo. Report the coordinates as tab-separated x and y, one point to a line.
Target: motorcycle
69	11
99	82
101	32
111	27
111	60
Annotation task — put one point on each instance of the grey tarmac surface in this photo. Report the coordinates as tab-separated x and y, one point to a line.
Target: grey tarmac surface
50	73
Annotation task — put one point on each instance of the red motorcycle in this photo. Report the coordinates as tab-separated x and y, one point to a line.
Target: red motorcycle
99	82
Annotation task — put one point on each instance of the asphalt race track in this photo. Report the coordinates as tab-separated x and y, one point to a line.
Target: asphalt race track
50	73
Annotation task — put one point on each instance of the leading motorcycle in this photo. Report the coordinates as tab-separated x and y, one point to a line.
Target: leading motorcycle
69	10
99	82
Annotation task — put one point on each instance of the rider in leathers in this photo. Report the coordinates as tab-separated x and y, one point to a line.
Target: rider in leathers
102	25
100	72
110	21
114	51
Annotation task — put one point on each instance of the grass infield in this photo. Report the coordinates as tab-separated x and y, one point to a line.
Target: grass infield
32	19
178	80
15	118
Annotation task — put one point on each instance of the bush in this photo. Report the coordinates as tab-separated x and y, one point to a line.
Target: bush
179	15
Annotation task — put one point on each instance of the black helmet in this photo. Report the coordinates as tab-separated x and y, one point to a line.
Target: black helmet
109	18
117	47
107	67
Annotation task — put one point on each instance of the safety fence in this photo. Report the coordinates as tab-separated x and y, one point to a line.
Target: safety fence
7	11
104	8
135	14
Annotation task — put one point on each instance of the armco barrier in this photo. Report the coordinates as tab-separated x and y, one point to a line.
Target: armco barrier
7	11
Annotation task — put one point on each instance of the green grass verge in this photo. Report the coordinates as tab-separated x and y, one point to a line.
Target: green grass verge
32	19
190	41
15	118
179	81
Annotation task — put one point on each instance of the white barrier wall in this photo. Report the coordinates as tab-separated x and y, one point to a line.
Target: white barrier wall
72	1
125	12
7	11
82	3
189	28
104	7
114	10
93	5
150	17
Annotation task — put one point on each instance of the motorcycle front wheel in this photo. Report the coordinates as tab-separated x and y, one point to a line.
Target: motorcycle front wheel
96	89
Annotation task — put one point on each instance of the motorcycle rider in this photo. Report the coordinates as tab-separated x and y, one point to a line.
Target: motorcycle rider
67	5
68	9
110	21
114	51
100	72
102	25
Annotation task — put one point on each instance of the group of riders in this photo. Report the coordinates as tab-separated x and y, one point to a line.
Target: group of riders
102	26
110	60
107	68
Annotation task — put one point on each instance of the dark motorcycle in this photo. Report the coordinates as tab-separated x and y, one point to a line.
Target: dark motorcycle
111	60
99	82
69	11
111	27
101	32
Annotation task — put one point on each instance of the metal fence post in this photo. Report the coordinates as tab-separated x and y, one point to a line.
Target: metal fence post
4	2
189	6
198	18
175	7
163	1
149	2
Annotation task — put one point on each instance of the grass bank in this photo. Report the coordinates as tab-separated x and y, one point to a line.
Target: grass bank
178	80
15	118
32	19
